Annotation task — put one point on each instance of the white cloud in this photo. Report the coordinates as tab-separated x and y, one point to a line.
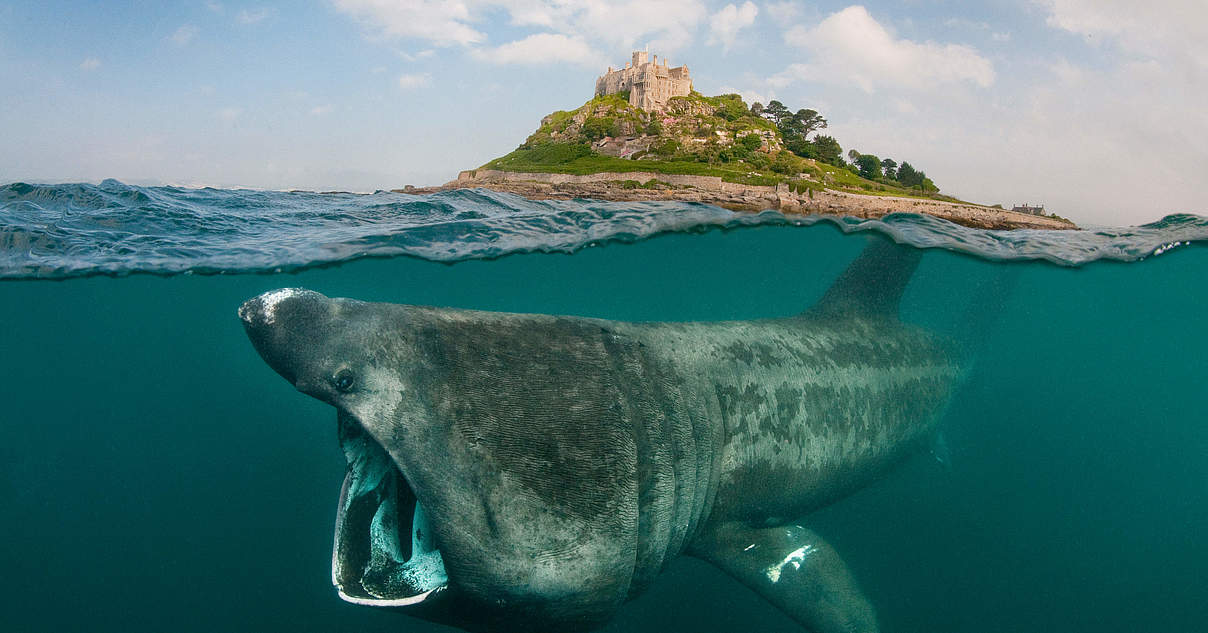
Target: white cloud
230	113
1172	29
414	57
321	110
90	63
729	20
666	26
613	25
442	23
750	96
543	48
783	12
216	7
415	80
252	16
185	34
852	47
966	24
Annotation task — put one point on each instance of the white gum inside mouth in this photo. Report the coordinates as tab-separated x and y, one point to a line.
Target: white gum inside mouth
424	570
378	517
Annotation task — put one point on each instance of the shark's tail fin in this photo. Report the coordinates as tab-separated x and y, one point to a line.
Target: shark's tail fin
873	283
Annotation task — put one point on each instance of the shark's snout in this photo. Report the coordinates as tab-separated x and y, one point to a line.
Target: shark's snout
266	320
262	310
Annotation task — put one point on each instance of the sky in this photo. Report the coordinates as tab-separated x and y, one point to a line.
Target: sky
1094	108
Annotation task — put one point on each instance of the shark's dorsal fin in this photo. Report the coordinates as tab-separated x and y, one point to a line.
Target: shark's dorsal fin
872	285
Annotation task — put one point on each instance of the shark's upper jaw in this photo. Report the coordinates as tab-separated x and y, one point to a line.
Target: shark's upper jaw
384	553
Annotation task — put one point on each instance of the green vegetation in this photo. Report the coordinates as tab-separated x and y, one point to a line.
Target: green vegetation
869	166
709	136
596	128
653	183
584	161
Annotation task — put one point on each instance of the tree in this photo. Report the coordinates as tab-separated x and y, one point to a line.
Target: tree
808	121
852	155
869	165
757	108
800	147
908	176
890	167
796	128
776	112
827	150
751	141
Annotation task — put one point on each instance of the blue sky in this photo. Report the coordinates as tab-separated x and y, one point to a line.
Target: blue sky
1092	107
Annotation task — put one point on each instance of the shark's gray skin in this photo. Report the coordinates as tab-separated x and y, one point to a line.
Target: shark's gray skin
533	472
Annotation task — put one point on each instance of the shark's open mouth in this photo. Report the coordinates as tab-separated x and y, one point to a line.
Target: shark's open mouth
385	554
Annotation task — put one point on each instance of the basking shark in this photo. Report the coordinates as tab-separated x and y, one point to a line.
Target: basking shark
534	472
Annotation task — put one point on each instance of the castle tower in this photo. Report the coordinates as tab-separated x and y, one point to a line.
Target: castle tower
650	84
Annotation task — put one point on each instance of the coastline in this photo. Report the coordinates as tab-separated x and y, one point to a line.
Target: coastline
647	186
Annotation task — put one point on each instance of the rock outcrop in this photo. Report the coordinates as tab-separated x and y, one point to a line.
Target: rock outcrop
635	186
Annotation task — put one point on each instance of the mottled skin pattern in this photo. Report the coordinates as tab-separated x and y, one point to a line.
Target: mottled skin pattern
564	461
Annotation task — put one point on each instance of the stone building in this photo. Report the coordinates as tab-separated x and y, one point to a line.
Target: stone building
649	84
1026	208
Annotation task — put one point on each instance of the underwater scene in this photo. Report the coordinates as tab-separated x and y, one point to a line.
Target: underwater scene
157	475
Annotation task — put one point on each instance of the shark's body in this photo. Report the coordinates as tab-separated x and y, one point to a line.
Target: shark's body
546	468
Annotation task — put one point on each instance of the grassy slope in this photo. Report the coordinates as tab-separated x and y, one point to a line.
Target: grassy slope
539	154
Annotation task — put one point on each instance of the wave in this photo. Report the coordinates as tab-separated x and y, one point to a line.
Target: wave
76	230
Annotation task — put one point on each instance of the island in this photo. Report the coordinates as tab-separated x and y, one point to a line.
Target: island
647	135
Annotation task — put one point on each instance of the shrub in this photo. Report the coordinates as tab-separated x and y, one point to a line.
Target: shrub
666	147
784	163
759	161
801	147
596	128
751	141
560	120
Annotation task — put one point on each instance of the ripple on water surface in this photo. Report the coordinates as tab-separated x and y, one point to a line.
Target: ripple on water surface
74	230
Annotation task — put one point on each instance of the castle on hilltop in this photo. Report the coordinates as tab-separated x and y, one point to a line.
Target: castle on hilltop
649	84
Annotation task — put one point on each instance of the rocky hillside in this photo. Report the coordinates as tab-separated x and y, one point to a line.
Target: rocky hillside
694	128
697	135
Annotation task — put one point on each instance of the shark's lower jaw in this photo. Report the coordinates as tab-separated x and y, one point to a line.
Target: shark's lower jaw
384	553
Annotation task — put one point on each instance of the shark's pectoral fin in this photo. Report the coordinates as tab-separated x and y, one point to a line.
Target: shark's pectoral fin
794	569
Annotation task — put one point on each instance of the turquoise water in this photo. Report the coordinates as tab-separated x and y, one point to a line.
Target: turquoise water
156	475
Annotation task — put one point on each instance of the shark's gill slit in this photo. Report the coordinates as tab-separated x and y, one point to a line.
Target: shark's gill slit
384	548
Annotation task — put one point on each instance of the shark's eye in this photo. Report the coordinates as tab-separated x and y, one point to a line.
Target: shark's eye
344	380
